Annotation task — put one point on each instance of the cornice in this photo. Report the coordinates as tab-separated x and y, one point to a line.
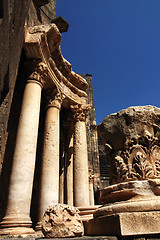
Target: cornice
43	43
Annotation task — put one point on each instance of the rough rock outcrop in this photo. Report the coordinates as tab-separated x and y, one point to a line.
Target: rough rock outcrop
62	221
132	139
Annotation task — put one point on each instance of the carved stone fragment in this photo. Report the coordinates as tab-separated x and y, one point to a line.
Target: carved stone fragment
62	221
132	140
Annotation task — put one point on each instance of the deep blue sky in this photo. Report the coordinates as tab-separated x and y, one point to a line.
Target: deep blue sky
118	42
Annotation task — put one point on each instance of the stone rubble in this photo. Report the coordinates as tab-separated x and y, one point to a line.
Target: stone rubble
62	220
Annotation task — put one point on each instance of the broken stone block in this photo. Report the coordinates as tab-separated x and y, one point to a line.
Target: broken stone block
62	221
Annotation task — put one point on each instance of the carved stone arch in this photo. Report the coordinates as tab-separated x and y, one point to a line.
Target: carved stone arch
43	42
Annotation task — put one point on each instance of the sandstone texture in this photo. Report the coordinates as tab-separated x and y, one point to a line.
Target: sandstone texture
132	138
62	221
131	204
125	224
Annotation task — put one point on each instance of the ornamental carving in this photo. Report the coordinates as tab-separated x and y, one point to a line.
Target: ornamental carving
40	73
132	142
80	112
136	163
54	98
42	44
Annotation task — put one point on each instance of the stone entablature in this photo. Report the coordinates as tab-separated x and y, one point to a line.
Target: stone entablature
43	44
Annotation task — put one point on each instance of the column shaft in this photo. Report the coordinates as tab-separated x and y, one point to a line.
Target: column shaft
49	184
61	179
81	181
69	173
17	218
91	193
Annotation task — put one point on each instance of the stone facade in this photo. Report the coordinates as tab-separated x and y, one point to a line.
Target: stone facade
44	143
12	80
11	31
48	138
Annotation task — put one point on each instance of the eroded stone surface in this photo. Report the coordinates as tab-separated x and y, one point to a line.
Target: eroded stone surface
132	139
124	224
132	191
132	142
62	221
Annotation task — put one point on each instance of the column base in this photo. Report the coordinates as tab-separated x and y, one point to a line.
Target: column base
38	229
38	226
124	224
86	213
16	226
17	231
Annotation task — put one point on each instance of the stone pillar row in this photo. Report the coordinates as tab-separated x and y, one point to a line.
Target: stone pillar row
17	219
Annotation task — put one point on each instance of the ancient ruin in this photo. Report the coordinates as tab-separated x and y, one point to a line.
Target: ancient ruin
48	140
132	142
45	159
62	221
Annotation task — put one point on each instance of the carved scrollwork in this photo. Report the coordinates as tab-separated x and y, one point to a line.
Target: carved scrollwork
138	162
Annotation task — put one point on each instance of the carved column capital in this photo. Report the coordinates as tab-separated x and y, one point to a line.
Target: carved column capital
54	99
39	73
80	112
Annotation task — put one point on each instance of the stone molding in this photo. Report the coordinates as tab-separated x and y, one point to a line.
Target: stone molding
80	112
42	43
35	81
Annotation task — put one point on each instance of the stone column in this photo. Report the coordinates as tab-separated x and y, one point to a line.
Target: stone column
81	181
62	169
17	219
49	183
69	172
91	188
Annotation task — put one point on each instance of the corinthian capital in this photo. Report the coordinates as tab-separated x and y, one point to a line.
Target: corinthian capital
80	112
54	99
39	73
